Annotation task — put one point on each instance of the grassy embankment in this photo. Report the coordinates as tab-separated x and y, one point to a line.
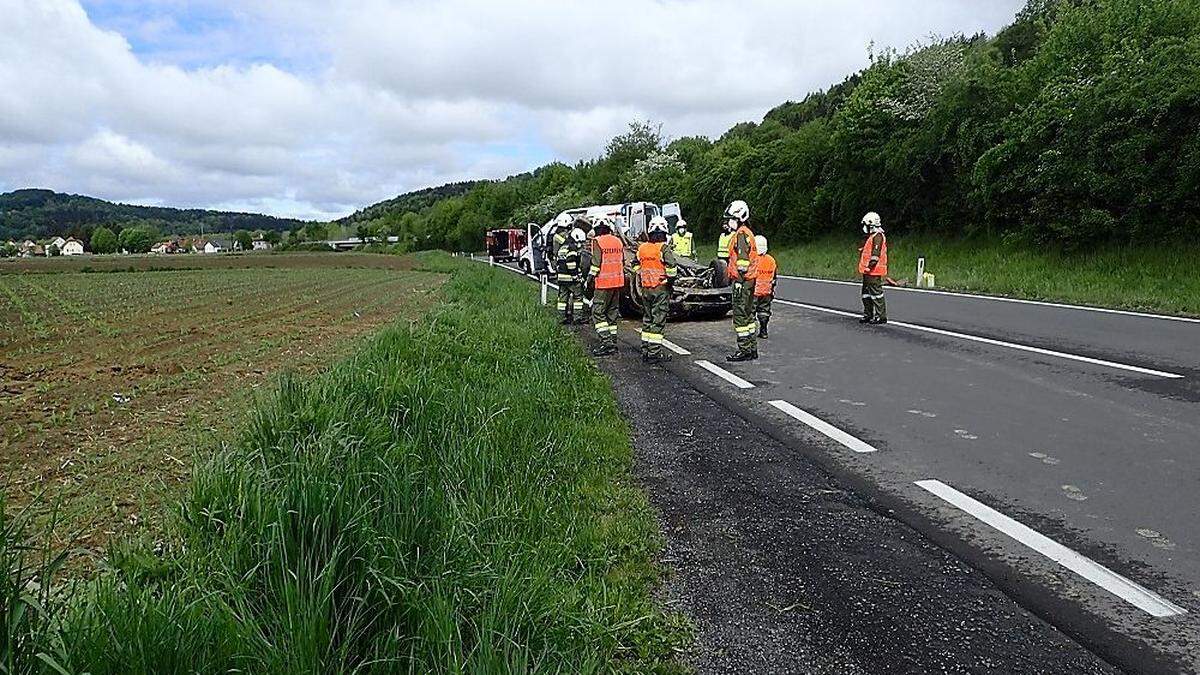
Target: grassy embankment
455	497
1147	278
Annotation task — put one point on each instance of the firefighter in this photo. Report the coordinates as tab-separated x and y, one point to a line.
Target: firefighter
873	266
608	269
723	242
570	282
764	286
743	272
558	236
682	241
655	270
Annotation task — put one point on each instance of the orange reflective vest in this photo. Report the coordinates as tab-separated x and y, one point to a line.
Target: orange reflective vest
653	273
764	283
864	260
752	270
612	262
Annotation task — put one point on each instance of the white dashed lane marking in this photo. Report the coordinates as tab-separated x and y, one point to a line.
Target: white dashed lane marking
995	298
725	375
996	343
824	427
1129	591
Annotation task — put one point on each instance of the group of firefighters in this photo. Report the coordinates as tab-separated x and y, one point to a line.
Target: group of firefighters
751	270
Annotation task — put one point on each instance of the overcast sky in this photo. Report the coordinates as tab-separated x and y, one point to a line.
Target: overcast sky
314	108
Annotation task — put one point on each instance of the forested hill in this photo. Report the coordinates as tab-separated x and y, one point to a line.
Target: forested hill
1076	126
409	201
40	214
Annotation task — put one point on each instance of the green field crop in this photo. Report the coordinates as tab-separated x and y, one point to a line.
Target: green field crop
456	497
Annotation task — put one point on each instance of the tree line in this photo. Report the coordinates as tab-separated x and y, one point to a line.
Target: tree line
1076	125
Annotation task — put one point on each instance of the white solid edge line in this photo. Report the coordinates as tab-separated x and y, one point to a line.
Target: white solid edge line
998	343
998	298
676	348
1129	591
725	375
824	427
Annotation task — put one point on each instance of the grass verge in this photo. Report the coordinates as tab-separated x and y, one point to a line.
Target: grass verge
455	497
1146	278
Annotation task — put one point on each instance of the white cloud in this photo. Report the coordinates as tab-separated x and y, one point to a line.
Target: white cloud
311	108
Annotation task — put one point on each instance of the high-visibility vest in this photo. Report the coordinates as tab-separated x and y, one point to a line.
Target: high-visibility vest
752	270
683	244
864	260
764	283
612	262
651	270
723	245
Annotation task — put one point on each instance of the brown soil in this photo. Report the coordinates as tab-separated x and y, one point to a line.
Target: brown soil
111	385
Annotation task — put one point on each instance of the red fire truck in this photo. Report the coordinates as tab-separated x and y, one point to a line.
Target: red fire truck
504	244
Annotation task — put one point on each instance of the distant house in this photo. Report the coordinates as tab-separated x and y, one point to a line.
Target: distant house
163	248
214	245
71	246
261	245
57	242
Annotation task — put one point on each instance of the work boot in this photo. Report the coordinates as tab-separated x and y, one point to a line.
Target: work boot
865	319
762	329
656	358
741	356
604	350
567	320
878	322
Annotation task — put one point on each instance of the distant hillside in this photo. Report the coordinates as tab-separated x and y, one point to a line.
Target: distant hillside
39	214
410	201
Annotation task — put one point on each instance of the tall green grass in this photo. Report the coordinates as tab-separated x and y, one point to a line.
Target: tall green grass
454	498
1149	278
30	602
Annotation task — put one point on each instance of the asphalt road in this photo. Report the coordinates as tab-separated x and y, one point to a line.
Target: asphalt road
1000	404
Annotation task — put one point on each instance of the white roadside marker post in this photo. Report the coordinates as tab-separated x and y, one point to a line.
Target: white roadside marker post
491	261
544	289
920	271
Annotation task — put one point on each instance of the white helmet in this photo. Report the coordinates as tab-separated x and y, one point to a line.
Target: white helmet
579	235
563	220
738	211
681	224
871	222
760	243
658	224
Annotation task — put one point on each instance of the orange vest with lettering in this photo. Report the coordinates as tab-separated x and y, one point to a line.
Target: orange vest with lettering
752	271
653	273
864	261
612	262
765	281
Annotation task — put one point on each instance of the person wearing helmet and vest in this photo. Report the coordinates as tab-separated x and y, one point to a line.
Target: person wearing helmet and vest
570	277
682	241
764	286
608	270
742	272
558	237
723	242
873	266
655	271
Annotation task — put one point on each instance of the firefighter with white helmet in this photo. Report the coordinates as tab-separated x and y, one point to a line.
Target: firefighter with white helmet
608	270
764	286
873	266
742	270
728	227
559	234
570	277
682	241
655	270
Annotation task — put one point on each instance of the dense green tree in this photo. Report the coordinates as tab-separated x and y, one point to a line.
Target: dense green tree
243	240
103	241
136	239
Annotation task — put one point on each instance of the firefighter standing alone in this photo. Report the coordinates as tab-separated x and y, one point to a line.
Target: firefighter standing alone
655	271
570	277
742	271
608	268
873	266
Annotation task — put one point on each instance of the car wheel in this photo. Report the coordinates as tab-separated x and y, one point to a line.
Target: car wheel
629	307
720	269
